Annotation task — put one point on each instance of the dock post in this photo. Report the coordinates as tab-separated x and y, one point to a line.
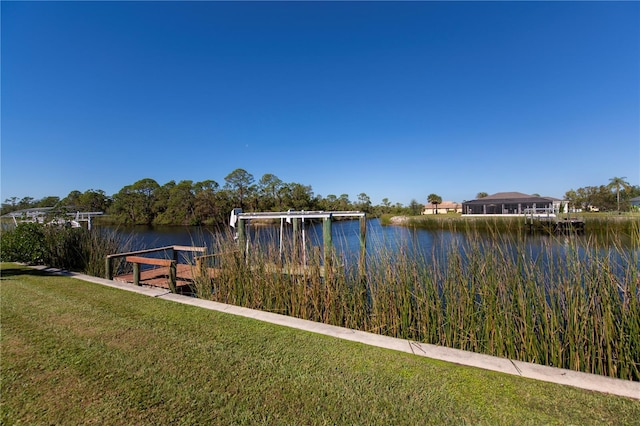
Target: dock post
136	273
242	237
108	271
328	244
172	277
363	245
296	238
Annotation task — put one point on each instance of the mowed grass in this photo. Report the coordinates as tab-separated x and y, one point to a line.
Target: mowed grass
75	352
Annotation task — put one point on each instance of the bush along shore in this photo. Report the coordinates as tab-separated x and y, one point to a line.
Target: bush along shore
577	307
75	249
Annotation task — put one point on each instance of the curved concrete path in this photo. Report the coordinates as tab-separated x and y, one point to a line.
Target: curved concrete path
518	368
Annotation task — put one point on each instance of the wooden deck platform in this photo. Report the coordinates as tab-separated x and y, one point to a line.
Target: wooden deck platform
159	277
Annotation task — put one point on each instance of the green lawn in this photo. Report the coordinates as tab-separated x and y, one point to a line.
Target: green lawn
76	353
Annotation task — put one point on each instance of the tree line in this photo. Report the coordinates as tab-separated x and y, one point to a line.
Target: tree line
209	203
206	202
613	196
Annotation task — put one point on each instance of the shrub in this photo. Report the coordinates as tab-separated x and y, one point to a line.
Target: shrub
25	243
76	249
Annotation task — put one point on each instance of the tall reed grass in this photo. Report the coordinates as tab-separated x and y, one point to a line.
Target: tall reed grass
599	224
566	303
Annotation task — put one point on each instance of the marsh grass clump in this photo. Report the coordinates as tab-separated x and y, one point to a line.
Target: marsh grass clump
458	222
558	301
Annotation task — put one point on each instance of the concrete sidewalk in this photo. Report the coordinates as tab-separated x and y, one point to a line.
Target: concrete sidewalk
518	368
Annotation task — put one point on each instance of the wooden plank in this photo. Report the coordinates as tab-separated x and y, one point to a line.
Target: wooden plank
139	252
190	248
149	261
154	250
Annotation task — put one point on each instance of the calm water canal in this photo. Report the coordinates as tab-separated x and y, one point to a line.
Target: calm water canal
388	239
345	235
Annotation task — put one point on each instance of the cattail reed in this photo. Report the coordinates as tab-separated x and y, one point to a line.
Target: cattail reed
563	301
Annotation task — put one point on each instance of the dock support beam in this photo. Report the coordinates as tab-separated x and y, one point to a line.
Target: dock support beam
295	242
172	276
108	270
363	245
242	237
328	244
136	274
327	238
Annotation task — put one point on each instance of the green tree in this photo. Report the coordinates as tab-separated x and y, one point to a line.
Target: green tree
93	200
72	199
415	208
481	195
343	202
364	202
269	188
298	196
13	201
618	183
207	207
239	181
587	197
330	202
136	203
49	201
434	199
572	198
590	197
26	203
180	205
9	205
386	206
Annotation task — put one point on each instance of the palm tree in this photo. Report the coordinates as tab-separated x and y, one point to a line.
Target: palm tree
617	183
434	199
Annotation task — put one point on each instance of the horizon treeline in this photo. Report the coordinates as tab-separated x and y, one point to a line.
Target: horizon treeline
186	202
146	202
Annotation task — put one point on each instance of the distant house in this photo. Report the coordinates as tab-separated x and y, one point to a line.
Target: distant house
442	208
635	203
506	203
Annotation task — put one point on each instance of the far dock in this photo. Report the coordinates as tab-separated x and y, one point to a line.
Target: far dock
547	220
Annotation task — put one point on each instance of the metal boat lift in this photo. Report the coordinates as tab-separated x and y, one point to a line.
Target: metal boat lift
239	221
40	215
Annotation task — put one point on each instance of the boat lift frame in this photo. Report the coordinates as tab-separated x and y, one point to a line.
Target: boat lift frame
39	215
239	221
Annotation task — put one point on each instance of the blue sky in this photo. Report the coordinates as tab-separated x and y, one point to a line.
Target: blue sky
394	99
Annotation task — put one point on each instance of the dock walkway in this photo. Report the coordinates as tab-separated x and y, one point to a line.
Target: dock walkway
159	277
160	272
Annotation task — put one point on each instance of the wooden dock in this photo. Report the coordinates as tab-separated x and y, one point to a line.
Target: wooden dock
167	272
558	227
548	220
160	276
160	272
